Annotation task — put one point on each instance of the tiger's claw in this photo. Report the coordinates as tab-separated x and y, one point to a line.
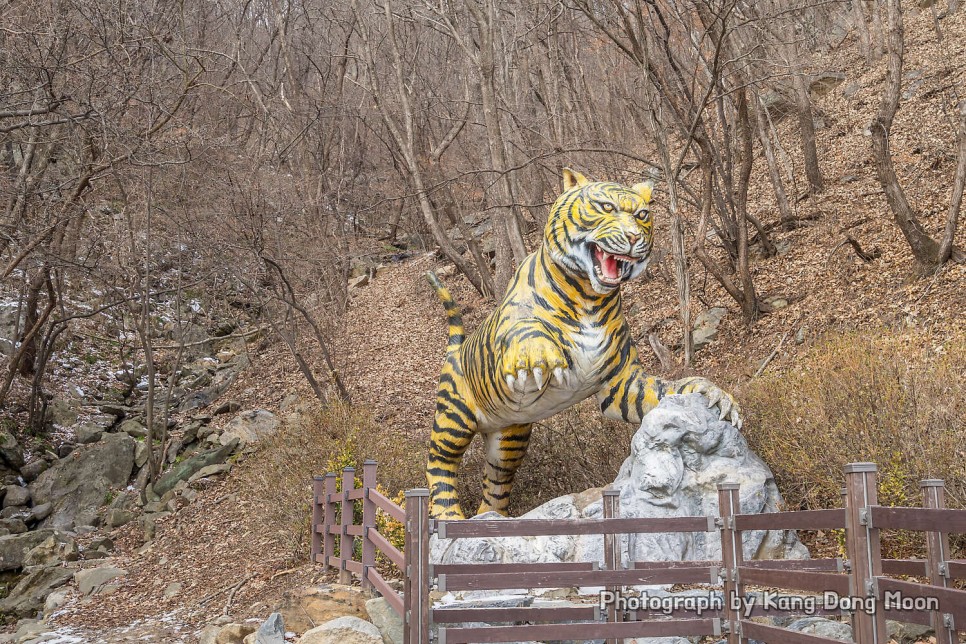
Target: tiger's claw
538	377
526	354
717	397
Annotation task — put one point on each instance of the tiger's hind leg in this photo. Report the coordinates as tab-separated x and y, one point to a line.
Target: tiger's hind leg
453	431
505	451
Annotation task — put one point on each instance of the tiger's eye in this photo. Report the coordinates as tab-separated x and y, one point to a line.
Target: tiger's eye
607	207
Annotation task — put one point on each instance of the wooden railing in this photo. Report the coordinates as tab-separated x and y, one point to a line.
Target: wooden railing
862	580
333	515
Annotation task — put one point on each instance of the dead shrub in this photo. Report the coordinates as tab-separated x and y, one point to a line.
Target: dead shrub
894	398
326	438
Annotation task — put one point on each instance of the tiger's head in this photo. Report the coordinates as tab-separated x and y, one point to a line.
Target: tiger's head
600	231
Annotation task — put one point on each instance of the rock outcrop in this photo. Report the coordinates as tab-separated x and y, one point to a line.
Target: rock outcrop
14	547
78	485
250	427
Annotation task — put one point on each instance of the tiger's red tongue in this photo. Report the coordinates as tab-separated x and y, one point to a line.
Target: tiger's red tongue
608	265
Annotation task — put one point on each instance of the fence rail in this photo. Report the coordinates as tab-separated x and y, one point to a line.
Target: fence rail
345	537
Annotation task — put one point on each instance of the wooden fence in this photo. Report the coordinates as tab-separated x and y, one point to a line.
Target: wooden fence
864	582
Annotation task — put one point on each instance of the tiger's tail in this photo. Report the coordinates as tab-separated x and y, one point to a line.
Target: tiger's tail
453	316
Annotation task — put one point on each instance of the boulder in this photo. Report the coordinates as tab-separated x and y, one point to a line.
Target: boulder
822	628
222	381
906	633
78	485
183	470
29	631
61	412
272	631
209	634
13	525
15	512
10	451
55	548
306	608
706	326
227	407
141	454
133	428
14	547
40	512
678	457
211	470
93	580
250	427
55	600
15	496
344	630
88	433
33	469
234	633
27	598
383	617
116	517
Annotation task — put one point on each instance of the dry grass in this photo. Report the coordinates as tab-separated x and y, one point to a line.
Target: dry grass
574	451
326	438
894	398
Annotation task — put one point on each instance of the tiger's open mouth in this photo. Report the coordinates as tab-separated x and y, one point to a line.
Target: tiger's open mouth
611	269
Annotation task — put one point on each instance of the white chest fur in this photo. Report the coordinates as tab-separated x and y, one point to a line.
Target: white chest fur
588	352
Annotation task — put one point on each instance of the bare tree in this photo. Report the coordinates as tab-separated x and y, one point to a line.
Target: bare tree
928	253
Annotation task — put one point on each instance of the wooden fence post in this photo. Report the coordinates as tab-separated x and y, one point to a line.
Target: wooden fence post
732	556
864	551
937	552
328	519
416	601
317	517
368	521
612	558
347	542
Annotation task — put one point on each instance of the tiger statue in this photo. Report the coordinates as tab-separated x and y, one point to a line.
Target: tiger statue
558	337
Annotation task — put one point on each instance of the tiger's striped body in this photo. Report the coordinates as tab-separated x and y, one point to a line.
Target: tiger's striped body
559	336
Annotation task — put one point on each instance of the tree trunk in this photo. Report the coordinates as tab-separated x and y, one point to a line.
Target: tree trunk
28	342
862	28
806	123
749	303
924	248
956	199
507	223
764	135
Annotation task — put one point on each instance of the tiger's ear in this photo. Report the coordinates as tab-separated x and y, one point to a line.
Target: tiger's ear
573	179
644	189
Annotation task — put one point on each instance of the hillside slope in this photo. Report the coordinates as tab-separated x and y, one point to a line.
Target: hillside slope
395	333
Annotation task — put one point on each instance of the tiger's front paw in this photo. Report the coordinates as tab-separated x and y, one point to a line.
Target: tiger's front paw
529	364
716	396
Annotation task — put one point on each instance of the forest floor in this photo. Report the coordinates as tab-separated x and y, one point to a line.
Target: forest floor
395	334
